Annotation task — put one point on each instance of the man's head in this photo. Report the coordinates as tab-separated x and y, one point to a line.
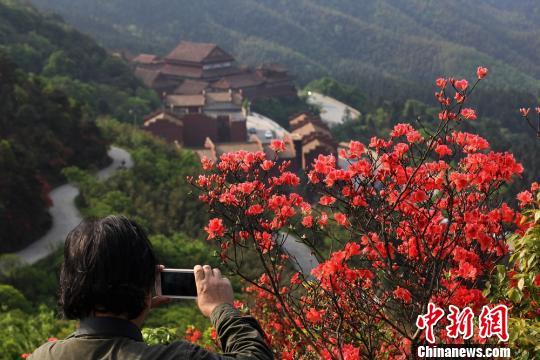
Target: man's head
109	267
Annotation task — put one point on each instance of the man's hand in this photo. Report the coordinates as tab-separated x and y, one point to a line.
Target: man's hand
212	289
159	300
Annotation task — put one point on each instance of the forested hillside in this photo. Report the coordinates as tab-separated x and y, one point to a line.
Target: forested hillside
54	82
72	62
382	45
28	293
41	131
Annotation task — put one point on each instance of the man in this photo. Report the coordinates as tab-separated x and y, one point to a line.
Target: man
106	282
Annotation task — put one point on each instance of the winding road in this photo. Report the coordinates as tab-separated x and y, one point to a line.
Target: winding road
299	253
66	216
332	110
64	213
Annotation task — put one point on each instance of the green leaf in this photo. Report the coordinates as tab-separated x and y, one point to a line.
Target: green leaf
521	283
515	295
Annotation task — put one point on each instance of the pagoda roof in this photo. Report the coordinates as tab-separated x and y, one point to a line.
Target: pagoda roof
145	59
181	71
186	100
252	146
190	87
147	76
239	81
188	51
162	116
224	97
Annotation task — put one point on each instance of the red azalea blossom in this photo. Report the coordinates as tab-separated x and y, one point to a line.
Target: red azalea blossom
467	271
461	85
206	164
446	115
356	149
277	145
307	221
481	72
323	219
327	200
255	210
192	334
468	114
267	165
265	241
525	198
524	111
341	219
443	150
315	316
403	294
420	221
441	82
215	228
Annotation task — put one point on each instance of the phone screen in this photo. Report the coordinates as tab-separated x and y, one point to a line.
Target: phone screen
178	284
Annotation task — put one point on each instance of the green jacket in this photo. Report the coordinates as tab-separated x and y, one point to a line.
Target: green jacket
109	338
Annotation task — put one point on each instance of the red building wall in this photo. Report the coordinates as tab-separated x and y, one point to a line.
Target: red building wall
238	131
166	130
197	127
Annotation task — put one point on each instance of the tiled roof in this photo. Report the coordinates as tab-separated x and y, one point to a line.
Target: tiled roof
309	128
190	87
181	71
315	143
185	100
198	52
160	116
221	72
223	148
147	76
223	97
298	118
145	59
239	81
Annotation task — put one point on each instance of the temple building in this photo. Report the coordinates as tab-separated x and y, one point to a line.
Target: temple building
311	137
191	130
204	92
192	68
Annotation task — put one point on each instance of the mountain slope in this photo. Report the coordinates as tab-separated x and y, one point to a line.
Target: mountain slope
380	44
72	62
53	82
41	131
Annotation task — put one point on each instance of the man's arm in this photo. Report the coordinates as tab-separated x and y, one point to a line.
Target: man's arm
240	336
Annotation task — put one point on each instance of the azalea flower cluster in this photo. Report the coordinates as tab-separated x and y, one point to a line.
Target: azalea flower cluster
411	219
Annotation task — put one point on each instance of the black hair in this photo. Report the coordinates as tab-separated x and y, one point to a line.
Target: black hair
109	266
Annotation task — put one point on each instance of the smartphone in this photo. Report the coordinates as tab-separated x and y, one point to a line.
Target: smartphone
176	284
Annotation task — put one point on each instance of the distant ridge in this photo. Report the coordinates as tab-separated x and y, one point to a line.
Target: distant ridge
381	45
